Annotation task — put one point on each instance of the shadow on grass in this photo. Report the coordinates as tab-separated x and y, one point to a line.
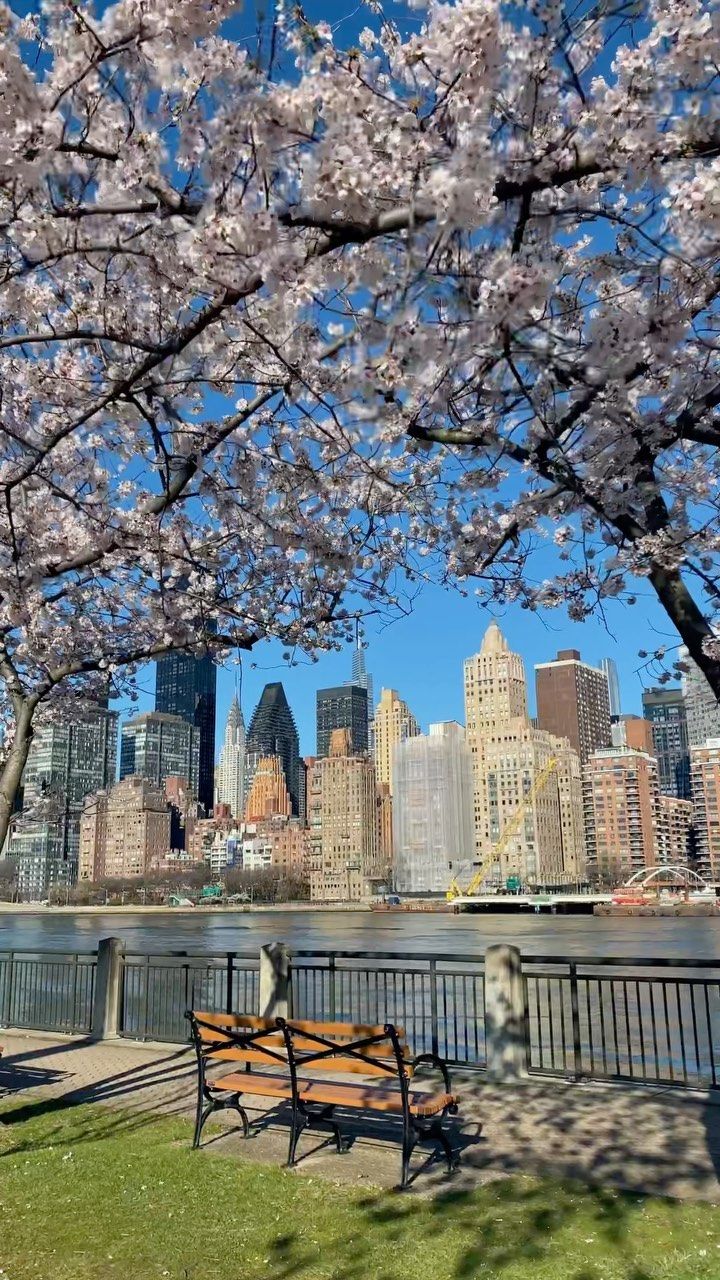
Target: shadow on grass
510	1224
74	1126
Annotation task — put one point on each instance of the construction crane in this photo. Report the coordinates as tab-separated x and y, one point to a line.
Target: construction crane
509	831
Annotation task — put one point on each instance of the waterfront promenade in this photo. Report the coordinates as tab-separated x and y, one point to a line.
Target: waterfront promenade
613	1137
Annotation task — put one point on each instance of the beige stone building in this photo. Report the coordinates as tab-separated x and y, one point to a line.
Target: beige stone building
509	754
511	761
343	823
622	813
290	844
268	796
675	830
572	811
705	787
385	825
393	723
124	830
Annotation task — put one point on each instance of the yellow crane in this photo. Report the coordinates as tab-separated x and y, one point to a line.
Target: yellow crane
509	831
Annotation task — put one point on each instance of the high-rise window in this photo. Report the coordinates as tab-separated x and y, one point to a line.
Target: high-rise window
186	686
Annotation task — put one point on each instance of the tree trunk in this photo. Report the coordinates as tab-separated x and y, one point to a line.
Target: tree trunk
689	620
12	770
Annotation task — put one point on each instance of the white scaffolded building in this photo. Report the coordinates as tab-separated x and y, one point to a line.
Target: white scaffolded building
433	824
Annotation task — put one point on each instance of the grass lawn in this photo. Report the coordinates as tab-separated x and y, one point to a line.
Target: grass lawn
87	1193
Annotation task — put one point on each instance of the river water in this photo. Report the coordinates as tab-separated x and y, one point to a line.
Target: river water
413	933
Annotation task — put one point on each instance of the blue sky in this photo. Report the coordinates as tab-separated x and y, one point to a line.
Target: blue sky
422	655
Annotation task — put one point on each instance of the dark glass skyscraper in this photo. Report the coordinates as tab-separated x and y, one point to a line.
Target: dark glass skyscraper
272	732
665	709
186	686
344	707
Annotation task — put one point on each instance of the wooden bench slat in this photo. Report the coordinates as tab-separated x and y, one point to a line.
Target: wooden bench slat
342	1030
325	1093
245	1022
340	1064
331	1030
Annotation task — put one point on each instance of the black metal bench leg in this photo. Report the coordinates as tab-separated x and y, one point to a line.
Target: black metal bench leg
299	1122
200	1121
410	1137
342	1144
235	1104
440	1136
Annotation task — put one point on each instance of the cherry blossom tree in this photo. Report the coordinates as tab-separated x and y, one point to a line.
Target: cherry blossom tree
284	321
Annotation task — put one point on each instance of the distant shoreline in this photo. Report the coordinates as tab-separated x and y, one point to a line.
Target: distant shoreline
30	908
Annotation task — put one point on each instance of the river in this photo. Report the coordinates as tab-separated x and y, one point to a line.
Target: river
411	933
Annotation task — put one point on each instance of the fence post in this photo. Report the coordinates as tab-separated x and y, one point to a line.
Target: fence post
108	989
505	1014
274	980
575	1013
5	1019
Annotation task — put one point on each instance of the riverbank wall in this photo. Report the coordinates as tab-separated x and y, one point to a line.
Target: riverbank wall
656	909
135	908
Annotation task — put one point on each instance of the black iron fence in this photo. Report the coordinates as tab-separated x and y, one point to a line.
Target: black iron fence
644	1020
439	1001
157	990
47	991
621	1019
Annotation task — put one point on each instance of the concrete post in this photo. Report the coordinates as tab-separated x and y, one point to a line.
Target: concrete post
108	987
505	1014
274	980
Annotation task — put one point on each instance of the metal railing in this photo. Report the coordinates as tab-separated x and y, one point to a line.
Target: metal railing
437	1000
624	1019
47	990
157	990
634	1019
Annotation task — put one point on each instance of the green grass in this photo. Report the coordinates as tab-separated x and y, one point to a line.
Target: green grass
87	1193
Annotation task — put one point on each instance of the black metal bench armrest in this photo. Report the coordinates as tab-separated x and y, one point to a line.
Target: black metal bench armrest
436	1062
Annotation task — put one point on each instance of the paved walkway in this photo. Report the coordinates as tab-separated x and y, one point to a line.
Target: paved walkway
644	1140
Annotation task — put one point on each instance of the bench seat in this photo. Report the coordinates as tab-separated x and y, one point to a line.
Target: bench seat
328	1093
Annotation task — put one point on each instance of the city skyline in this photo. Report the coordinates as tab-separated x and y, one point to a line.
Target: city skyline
453	628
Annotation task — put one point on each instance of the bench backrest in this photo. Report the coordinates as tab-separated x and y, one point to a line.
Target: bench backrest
237	1037
342	1047
346	1048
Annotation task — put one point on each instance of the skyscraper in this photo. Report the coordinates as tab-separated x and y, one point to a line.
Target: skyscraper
342	816
67	761
343	707
268	796
630	825
361	677
573	702
495	689
157	746
393	723
609	667
664	708
433	827
123	829
702	709
186	686
272	732
230	772
705	784
509	754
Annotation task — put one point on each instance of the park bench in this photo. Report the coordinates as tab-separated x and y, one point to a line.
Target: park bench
290	1061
